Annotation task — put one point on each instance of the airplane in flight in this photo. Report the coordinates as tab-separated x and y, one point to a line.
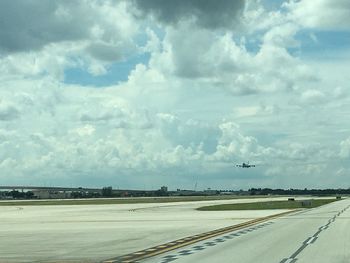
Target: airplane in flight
245	165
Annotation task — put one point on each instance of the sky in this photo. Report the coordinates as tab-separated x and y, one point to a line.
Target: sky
144	93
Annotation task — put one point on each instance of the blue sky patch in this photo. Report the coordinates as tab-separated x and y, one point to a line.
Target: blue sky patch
272	4
116	72
323	44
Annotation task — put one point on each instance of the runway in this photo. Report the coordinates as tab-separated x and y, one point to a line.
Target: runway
319	235
93	233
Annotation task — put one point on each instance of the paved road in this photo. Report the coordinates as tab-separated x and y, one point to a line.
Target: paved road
319	235
92	233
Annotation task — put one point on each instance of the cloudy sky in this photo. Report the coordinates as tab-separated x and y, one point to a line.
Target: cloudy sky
144	93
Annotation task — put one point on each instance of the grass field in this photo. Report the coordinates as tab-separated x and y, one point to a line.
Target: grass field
268	205
130	200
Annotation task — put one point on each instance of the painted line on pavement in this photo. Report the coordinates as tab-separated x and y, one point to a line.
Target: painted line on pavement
312	239
160	249
211	243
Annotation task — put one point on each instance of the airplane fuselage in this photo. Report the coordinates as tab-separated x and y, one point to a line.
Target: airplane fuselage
245	165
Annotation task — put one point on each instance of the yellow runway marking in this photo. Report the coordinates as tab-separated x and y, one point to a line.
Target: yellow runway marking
153	251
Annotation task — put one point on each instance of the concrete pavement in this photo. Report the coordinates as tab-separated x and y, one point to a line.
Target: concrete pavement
319	235
92	233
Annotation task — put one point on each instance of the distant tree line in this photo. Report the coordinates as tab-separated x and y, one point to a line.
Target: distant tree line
305	191
17	194
109	192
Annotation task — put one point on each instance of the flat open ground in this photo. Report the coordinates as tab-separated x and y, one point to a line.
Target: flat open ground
90	233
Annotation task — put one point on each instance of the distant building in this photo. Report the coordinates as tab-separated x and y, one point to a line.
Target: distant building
209	191
51	194
164	189
180	192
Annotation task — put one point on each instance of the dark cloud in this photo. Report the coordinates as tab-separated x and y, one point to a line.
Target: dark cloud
105	52
207	13
8	112
29	25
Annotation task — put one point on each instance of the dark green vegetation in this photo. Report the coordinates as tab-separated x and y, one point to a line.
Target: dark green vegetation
19	193
130	200
269	205
305	191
